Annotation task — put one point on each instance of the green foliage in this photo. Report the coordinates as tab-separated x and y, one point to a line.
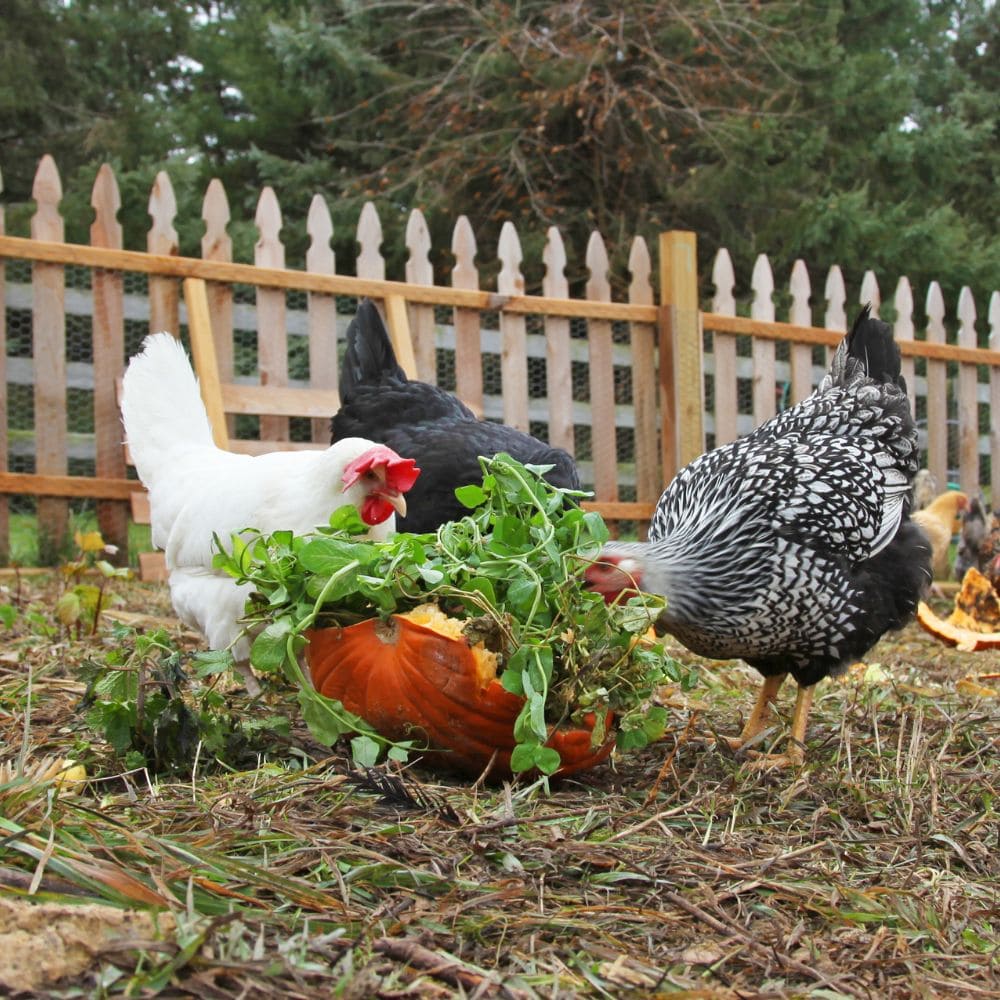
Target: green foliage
512	569
80	605
141	702
862	134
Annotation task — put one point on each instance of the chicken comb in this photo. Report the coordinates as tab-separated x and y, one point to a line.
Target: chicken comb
400	473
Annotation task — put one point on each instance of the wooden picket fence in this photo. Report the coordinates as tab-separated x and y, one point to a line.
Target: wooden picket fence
621	385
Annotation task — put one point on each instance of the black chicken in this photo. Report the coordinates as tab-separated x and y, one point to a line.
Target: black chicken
427	424
792	547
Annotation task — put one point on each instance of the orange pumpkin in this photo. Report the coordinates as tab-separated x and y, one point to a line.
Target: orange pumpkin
411	682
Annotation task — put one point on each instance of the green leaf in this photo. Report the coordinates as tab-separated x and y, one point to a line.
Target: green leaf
325	556
326	718
269	647
530	755
364	751
521	595
8	615
348	519
116	722
69	608
471	496
212	661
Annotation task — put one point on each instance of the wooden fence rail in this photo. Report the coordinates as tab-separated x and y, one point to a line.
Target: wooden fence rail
633	389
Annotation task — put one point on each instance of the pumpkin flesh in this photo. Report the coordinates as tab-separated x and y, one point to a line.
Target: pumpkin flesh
410	682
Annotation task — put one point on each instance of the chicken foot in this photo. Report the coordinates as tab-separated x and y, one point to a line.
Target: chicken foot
761	717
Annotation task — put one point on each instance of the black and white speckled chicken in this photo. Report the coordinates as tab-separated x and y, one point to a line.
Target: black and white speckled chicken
792	547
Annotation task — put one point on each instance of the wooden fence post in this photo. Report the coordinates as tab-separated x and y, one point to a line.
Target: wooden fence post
937	391
968	404
648	480
558	363
683	437
468	338
272	330
216	244
323	332
513	332
164	298
724	350
765	402
4	505
420	272
601	372
993	321
109	360
49	351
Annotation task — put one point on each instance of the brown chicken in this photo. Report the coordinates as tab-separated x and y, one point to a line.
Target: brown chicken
989	551
939	522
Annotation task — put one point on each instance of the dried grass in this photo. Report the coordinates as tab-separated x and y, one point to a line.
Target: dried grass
872	872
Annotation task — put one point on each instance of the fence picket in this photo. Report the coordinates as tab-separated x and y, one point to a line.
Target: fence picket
109	359
601	376
420	272
994	343
937	390
370	262
558	366
322	309
4	504
513	332
49	348
800	314
724	351
835	294
870	294
642	341
272	331
968	405
216	244
468	354
667	387
903	331
835	317
164	293
763	353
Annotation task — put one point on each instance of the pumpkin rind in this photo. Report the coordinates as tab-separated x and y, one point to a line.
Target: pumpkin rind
954	635
410	682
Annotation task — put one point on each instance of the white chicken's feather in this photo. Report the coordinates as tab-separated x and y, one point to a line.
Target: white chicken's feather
197	489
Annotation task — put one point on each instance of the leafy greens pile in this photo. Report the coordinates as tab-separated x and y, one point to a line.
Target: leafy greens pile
512	568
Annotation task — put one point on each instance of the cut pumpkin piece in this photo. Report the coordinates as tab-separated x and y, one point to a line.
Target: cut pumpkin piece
965	639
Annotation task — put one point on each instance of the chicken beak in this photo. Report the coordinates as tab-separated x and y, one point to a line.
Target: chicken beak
395	498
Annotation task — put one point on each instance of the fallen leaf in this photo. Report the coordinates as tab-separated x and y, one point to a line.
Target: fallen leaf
972	687
701	954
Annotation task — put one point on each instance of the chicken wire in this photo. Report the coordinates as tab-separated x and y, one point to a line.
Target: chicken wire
79	388
79	354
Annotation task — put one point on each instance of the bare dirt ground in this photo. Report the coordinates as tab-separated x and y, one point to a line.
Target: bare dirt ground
681	870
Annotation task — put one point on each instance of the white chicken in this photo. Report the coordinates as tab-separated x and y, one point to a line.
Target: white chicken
197	490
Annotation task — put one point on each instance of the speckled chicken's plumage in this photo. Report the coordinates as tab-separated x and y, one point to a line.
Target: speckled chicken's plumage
791	547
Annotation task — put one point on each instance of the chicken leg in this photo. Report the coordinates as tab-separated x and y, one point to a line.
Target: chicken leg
760	716
795	755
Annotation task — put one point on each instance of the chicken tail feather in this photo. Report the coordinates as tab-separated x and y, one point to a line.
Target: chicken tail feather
369	354
162	407
868	350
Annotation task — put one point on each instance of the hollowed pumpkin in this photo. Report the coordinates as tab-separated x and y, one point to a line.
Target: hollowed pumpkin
411	682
